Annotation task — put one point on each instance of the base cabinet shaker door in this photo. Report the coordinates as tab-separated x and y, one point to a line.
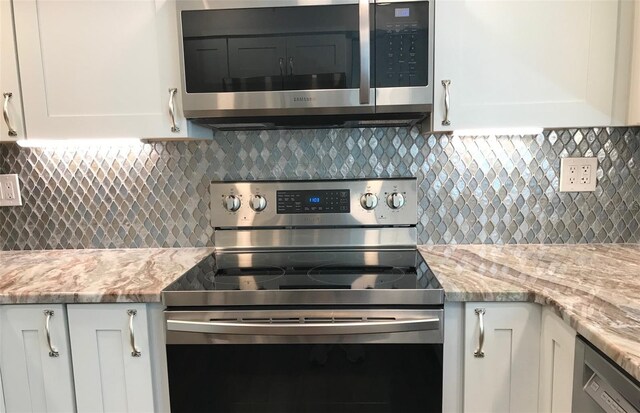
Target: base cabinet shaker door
502	342
2	408
35	361
111	357
557	352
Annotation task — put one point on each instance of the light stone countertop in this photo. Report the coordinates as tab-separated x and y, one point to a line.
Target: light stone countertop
595	288
92	276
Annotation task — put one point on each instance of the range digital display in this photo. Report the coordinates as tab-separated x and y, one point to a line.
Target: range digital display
313	202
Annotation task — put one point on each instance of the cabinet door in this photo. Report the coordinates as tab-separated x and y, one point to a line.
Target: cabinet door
634	94
316	54
525	63
98	68
109	376
9	83
505	379
557	351
34	378
2	406
206	64
256	63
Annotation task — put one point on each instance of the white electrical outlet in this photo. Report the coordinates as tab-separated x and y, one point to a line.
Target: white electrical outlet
10	190
578	174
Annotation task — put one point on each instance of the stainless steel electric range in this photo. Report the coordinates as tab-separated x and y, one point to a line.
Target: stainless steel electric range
316	300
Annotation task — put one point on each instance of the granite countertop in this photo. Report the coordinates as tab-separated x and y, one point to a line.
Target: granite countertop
92	276
595	288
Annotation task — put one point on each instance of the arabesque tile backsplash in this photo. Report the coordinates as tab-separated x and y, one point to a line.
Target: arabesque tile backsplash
484	189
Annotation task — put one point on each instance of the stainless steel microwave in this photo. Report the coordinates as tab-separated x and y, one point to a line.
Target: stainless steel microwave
287	62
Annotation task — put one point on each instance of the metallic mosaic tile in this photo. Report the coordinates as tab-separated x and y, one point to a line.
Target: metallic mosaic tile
484	189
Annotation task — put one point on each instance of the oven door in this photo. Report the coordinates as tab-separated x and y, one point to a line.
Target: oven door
277	57
305	361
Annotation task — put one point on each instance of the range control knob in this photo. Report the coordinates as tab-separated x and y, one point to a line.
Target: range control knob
231	203
395	200
369	201
258	203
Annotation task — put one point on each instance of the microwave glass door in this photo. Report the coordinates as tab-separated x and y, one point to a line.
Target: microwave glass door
271	49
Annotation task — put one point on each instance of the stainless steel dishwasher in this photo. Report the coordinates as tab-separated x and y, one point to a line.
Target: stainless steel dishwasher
601	386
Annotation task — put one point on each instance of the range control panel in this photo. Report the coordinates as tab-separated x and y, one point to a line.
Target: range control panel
319	201
361	202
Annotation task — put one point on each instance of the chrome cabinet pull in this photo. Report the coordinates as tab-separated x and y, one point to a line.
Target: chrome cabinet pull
132	337
447	102
291	66
172	110
281	66
52	351
365	53
5	113
479	352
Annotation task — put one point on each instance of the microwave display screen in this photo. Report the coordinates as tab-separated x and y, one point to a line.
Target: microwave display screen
403	12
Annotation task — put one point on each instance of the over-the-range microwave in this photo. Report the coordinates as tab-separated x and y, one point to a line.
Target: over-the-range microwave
287	63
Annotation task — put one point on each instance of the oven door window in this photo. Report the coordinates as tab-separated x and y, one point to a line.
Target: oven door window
270	49
320	378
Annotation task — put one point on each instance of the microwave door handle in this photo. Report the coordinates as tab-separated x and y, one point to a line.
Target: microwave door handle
365	53
306	329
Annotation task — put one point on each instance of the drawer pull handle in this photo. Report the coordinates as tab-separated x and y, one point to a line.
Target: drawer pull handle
172	110
447	102
5	113
132	337
479	352
52	351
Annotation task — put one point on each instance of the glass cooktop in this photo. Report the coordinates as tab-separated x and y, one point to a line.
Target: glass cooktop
316	270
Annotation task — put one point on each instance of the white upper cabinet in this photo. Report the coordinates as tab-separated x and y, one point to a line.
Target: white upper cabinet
525	63
9	81
98	68
35	360
634	101
501	357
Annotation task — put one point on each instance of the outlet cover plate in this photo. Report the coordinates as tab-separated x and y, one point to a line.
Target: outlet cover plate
10	190
578	174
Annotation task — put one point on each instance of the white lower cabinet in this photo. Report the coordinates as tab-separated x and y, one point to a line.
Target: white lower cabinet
35	360
557	351
2	409
111	357
501	357
85	358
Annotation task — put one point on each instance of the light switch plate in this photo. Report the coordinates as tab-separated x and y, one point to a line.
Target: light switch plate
10	190
578	174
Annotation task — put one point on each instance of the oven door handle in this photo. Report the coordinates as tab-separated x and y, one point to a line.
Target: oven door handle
305	329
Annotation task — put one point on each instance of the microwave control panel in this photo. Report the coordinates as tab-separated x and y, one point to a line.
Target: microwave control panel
402	44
